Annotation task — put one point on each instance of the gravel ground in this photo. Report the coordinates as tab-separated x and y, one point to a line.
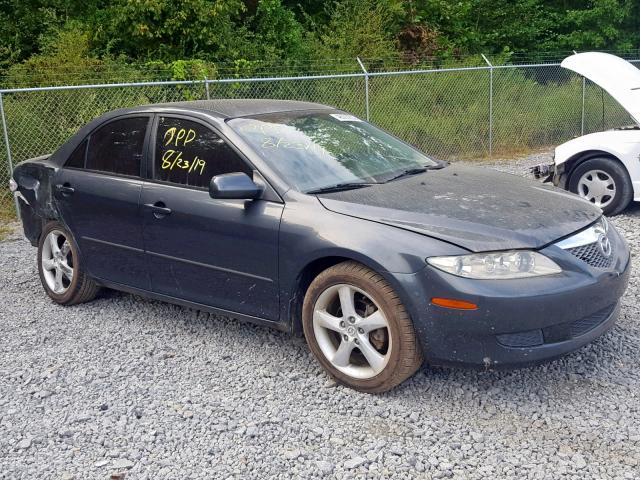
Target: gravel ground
129	385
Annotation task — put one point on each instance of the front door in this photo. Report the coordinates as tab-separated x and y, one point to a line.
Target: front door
219	253
98	192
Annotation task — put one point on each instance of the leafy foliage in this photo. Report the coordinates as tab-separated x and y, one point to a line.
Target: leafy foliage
40	34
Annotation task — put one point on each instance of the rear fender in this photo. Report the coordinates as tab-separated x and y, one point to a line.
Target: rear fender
35	197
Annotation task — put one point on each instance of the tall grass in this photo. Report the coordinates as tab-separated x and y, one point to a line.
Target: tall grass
7	215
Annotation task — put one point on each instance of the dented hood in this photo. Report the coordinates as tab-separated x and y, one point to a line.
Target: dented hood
479	209
616	76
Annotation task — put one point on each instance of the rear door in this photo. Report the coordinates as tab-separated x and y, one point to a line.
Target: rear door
98	191
219	253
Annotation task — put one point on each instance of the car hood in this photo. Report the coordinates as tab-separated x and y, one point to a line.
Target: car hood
479	209
616	76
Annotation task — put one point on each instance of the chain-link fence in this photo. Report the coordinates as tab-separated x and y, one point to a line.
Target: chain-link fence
450	113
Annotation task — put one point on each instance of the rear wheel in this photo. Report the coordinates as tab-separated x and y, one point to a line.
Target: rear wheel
603	182
358	329
61	271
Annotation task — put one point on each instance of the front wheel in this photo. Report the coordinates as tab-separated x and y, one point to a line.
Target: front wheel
603	182
61	271
358	329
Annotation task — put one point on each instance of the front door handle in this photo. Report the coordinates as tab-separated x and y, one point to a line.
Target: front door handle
65	189
159	209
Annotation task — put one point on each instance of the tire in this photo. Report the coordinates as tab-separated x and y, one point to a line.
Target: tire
61	271
374	321
612	190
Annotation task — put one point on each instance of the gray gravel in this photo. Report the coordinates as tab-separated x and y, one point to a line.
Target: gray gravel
129	385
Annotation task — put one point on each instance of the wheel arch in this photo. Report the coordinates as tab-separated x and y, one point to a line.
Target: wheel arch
312	269
575	160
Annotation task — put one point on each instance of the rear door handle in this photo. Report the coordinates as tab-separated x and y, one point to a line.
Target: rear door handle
159	209
66	189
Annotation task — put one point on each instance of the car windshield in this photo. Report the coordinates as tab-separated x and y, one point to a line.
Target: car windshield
312	151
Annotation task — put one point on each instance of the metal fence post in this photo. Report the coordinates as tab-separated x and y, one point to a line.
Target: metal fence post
7	146
583	91
584	81
366	87
490	104
206	87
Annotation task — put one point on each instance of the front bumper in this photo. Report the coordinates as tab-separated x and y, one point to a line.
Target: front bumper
518	322
551	173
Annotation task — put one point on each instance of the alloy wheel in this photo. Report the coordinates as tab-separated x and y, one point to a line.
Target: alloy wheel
57	262
352	331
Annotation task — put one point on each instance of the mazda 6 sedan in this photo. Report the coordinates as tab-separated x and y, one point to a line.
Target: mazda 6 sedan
307	219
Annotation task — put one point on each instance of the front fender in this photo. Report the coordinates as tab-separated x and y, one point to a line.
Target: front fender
310	233
624	145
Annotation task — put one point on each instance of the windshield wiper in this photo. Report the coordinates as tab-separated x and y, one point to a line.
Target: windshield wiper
407	172
416	170
338	187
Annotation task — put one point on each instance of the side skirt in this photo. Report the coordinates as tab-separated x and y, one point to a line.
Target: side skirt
198	306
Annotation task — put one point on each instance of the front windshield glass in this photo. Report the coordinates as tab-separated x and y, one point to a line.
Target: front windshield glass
318	150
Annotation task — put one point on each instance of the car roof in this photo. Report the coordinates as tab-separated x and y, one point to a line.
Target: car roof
229	108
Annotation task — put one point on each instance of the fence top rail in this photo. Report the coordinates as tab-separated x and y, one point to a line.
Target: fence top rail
176	82
463	69
277	79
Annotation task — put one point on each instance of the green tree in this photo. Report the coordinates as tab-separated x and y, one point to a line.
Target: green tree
603	24
159	30
365	28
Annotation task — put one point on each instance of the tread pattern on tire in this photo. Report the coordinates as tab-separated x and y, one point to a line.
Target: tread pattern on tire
87	290
411	357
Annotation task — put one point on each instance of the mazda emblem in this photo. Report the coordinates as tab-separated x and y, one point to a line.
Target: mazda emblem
605	245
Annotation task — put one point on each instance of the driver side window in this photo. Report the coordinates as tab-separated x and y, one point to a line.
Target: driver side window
189	153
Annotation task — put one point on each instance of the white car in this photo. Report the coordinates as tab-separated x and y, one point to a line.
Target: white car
602	167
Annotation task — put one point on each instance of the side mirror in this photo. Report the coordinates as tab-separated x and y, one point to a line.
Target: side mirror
236	186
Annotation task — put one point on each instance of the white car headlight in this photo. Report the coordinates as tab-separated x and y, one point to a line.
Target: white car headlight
497	265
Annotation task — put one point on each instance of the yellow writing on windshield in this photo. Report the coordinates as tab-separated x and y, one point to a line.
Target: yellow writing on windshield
270	142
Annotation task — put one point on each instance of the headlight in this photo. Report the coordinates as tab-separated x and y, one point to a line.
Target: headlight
497	265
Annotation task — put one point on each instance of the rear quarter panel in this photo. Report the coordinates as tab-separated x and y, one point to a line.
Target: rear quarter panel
35	195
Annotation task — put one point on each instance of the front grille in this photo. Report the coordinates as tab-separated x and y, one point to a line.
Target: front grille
592	255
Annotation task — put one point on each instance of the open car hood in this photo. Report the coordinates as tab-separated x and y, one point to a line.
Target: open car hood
616	76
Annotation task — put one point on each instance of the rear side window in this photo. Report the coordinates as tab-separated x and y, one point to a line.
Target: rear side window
76	159
190	153
117	146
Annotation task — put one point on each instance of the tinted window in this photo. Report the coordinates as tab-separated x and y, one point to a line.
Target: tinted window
191	154
76	159
117	146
